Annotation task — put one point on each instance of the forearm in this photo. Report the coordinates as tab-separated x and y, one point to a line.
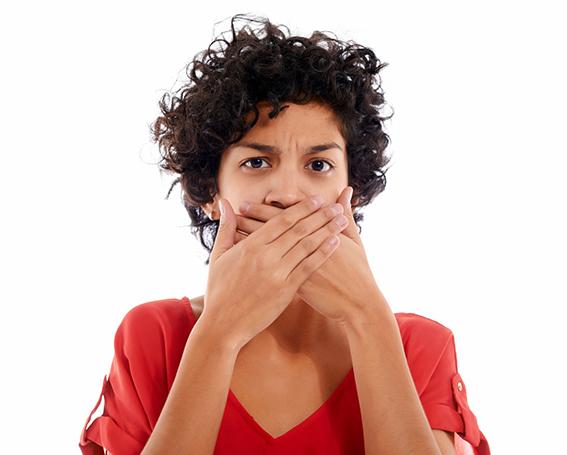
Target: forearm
191	416
393	418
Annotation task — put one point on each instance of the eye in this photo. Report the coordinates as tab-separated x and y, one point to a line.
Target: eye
259	160
323	161
252	159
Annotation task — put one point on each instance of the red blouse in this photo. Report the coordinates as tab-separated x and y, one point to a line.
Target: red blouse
148	346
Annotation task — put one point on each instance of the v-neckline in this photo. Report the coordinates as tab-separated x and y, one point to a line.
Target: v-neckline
309	420
296	428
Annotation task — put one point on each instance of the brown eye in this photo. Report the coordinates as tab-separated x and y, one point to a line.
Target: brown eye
256	160
322	161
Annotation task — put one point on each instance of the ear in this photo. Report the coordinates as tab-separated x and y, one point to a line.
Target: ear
354	202
212	209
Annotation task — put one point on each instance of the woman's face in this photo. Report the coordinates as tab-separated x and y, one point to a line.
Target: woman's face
309	157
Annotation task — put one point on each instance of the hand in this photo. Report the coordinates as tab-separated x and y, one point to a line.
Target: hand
341	286
250	284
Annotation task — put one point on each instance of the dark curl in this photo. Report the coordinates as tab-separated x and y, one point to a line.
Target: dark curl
207	114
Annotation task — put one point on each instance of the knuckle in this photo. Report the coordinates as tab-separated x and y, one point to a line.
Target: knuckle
330	213
308	244
277	276
300	229
325	247
287	219
333	226
307	266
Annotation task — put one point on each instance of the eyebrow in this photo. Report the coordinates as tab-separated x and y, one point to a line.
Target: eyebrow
276	151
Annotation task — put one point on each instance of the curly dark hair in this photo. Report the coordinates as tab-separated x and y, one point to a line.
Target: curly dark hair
208	113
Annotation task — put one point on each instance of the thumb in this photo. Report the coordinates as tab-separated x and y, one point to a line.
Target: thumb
351	231
226	232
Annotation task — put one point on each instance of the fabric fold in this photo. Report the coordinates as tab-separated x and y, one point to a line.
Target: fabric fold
105	433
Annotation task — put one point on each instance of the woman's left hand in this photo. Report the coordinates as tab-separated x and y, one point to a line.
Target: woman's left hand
344	284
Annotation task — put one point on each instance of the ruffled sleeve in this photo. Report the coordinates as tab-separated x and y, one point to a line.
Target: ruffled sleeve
124	426
445	403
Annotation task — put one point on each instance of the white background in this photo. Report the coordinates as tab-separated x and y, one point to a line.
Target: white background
470	230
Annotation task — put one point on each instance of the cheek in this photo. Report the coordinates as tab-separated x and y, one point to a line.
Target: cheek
232	188
237	201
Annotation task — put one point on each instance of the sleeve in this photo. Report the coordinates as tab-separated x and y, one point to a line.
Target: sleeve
445	403
124	426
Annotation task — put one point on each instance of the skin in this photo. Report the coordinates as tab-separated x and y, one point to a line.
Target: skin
280	181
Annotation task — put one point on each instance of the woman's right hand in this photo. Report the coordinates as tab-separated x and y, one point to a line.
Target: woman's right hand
251	283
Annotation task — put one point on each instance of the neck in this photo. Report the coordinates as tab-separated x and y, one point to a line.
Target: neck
299	328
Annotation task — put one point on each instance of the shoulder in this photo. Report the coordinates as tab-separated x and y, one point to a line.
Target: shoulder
151	338
415	327
428	345
154	319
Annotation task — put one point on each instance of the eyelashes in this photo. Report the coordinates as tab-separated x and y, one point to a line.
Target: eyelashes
331	166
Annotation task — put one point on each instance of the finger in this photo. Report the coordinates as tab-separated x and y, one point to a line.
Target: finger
247	225
262	212
305	268
239	237
284	221
351	231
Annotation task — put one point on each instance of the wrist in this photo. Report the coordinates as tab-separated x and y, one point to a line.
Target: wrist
373	313
212	334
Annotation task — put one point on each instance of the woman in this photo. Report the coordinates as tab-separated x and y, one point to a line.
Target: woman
293	348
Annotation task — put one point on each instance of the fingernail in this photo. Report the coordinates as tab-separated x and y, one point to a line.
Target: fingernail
244	206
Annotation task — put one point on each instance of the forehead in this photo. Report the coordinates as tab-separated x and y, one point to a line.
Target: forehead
306	123
290	113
